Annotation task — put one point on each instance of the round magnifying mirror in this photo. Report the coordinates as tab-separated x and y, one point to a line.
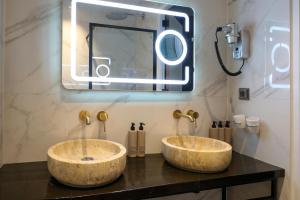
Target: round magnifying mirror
171	47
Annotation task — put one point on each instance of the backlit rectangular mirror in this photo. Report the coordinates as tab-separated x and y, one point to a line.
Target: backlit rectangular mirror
132	45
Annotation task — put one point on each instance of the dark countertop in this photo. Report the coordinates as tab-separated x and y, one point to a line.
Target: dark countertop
143	178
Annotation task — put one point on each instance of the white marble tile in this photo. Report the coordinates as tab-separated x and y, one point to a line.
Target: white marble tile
1	79
39	112
270	102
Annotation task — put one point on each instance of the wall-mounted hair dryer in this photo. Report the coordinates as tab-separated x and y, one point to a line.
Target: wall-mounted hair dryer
238	41
232	34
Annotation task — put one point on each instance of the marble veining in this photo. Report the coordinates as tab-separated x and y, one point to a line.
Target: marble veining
38	17
1	80
269	102
41	113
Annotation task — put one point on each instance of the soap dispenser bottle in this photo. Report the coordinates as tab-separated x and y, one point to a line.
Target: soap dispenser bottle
141	138
132	141
221	131
214	131
228	132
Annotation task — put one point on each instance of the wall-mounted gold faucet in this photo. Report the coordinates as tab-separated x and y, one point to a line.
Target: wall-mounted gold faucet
85	117
191	115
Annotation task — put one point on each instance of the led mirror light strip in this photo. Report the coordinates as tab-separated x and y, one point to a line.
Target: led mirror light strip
137	8
128	7
136	80
158	47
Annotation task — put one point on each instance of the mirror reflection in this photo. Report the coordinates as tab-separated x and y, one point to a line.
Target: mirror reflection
171	47
148	48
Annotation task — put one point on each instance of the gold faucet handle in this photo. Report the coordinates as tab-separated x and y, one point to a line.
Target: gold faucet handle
177	114
102	116
193	114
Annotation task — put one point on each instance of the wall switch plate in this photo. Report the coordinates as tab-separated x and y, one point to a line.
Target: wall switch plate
244	94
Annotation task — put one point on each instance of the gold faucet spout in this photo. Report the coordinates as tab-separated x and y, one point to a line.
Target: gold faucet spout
191	115
85	117
188	117
88	120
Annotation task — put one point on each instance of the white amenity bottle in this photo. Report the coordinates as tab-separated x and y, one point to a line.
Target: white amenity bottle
132	142
141	138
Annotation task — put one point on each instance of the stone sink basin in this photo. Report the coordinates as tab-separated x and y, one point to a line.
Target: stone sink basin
197	154
86	162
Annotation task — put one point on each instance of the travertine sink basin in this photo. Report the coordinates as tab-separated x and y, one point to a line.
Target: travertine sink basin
197	154
86	163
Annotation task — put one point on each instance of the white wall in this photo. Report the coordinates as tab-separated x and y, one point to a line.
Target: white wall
40	113
129	59
295	103
270	102
1	77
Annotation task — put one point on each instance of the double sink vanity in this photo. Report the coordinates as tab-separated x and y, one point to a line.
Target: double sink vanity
149	47
92	162
99	169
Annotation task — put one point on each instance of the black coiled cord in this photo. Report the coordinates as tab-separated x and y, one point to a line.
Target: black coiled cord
219	29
